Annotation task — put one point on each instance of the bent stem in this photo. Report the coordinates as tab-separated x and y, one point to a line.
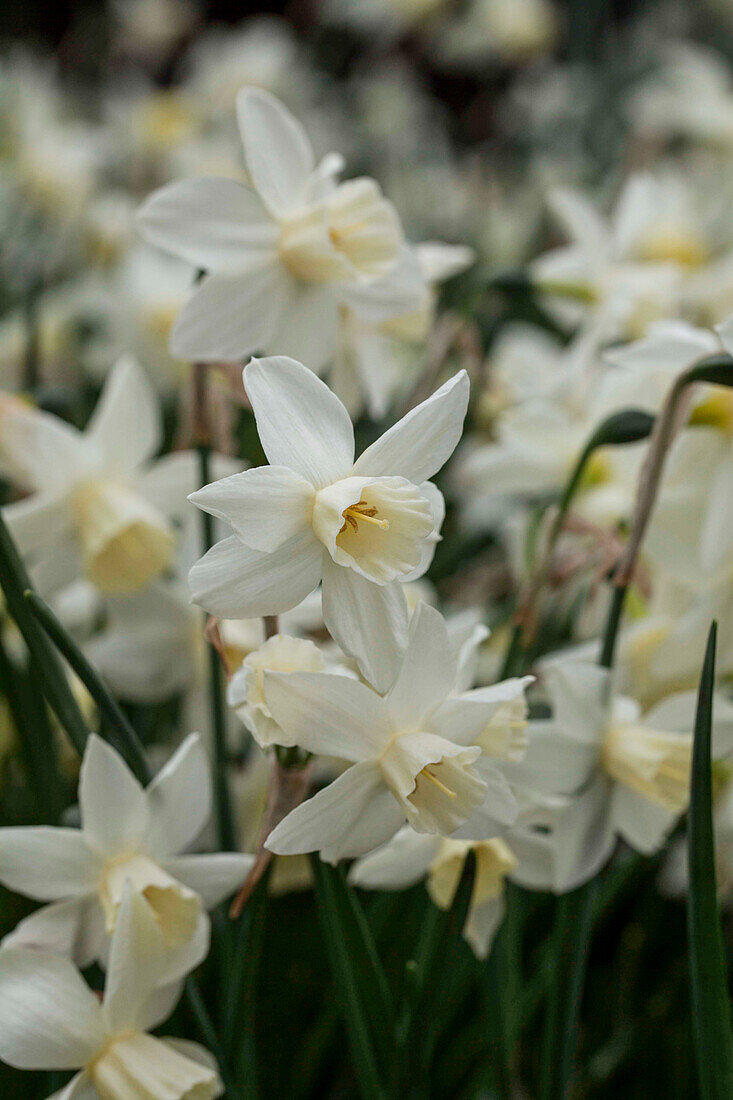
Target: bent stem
715	370
619	429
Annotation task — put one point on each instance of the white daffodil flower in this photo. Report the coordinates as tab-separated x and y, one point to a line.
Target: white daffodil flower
624	774
612	271
645	369
280	255
688	95
50	1019
691	533
514	33
660	653
246	688
421	754
375	359
316	515
520	855
97	503
526	364
128	835
537	447
410	857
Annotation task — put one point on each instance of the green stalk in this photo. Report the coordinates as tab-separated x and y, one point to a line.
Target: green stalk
200	1014
129	742
32	350
574	916
571	940
224	816
710	999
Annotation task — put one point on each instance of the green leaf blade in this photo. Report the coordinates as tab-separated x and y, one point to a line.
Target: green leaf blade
356	973
710	997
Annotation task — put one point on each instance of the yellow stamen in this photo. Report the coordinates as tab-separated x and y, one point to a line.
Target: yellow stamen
362	511
441	786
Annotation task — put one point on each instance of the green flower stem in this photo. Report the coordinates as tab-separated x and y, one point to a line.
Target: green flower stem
571	940
417	1030
200	1014
240	1018
574	918
224	816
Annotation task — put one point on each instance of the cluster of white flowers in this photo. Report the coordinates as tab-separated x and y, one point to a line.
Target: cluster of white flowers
345	667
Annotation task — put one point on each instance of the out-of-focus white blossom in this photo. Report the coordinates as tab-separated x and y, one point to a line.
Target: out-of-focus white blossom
625	774
283	256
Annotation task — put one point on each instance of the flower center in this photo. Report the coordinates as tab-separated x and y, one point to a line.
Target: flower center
124	540
174	906
376	526
367	513
657	765
674	246
351	234
494	860
428	772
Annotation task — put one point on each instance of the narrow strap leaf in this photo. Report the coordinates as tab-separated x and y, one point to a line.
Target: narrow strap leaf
239	1017
14	581
200	1013
341	937
571	939
420	1019
710	999
37	747
129	741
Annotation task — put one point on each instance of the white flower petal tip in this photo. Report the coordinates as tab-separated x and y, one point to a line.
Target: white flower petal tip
419	444
279	155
